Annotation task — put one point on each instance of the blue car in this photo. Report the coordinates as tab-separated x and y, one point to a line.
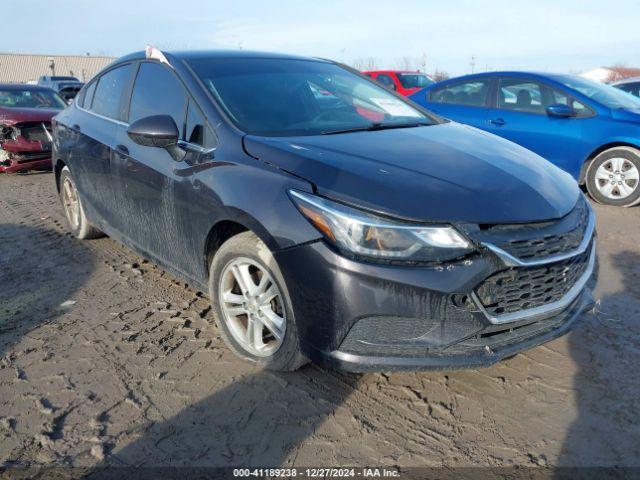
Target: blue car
590	130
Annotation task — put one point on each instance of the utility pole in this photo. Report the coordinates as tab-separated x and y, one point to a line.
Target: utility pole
472	62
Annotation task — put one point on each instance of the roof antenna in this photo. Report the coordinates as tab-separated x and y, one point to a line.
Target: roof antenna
153	53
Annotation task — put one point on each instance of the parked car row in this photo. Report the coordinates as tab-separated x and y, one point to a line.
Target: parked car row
328	218
65	86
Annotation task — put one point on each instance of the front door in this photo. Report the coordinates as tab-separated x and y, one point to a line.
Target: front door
153	188
520	116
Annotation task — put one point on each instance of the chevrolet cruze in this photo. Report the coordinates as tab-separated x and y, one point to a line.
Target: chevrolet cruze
328	218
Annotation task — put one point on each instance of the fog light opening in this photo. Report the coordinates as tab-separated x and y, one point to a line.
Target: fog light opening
463	300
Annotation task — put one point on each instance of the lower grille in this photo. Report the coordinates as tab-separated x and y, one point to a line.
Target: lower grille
523	288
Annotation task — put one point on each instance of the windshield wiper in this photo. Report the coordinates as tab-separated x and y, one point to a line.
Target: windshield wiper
376	126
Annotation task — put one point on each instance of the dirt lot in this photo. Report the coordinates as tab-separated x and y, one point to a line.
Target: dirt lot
105	358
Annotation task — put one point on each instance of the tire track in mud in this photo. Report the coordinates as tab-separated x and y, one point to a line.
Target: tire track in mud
134	369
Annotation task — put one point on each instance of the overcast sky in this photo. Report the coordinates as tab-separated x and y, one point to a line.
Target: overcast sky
560	35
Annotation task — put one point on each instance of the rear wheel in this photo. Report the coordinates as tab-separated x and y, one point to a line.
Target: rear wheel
613	177
72	205
252	304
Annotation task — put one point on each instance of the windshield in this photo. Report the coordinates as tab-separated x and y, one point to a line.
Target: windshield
31	99
605	94
414	80
284	97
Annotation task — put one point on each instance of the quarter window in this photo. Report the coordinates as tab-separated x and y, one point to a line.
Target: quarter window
157	91
109	90
561	98
197	131
88	96
472	92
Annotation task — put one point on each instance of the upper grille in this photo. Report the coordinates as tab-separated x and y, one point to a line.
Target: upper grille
538	240
522	288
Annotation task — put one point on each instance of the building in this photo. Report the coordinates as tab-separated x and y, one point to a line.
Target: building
23	68
610	74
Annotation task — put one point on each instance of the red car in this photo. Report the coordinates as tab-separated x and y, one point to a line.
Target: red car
402	81
25	126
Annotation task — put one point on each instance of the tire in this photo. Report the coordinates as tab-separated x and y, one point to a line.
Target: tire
246	257
77	220
613	177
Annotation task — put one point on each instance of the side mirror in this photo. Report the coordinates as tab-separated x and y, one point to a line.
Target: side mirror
560	111
154	131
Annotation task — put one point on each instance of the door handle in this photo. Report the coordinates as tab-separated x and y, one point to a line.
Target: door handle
498	122
121	149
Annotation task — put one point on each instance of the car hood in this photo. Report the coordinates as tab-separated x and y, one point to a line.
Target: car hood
11	116
443	173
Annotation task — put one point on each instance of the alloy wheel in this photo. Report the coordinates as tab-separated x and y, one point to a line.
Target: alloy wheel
71	203
617	178
253	307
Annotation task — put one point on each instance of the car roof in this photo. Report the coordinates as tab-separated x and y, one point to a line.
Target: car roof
553	77
519	73
21	86
201	54
394	71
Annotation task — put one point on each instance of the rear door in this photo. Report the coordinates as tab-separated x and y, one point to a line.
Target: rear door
101	112
464	101
520	116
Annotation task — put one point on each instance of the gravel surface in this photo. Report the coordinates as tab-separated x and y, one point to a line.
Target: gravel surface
105	358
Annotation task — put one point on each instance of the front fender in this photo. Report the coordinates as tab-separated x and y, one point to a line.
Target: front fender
254	195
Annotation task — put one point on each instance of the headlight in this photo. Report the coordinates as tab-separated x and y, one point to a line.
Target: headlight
367	235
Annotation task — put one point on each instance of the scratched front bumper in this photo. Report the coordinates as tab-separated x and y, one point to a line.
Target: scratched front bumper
357	316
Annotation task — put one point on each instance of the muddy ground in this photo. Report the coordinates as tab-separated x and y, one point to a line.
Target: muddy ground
105	358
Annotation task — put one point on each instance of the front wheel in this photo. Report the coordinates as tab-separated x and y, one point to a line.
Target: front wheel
613	177
252	305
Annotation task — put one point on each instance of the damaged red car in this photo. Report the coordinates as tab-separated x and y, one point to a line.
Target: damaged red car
25	126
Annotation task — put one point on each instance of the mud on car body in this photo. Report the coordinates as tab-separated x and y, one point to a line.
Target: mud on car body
361	232
25	126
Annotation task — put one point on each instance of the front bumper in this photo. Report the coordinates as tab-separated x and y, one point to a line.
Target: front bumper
12	165
359	317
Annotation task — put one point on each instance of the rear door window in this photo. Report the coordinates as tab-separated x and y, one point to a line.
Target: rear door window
471	92
107	100
157	91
